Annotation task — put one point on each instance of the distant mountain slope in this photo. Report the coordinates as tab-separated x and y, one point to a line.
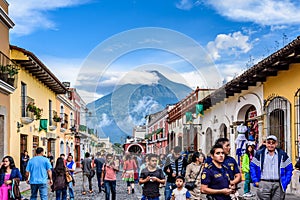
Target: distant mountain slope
117	112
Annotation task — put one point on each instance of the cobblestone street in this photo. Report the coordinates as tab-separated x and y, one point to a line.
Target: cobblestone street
121	191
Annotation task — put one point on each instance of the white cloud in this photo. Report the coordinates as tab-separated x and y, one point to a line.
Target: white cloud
185	4
231	44
31	15
263	12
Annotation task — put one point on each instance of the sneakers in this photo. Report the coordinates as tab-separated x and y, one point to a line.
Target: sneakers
249	194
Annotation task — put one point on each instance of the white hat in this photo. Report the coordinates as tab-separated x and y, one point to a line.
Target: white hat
272	137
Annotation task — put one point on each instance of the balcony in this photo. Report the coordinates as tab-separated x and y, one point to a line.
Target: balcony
64	122
53	122
27	116
8	70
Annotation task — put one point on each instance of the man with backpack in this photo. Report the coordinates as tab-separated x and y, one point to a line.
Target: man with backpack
99	164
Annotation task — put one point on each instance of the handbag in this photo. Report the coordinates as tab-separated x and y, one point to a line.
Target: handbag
92	173
69	177
15	193
190	185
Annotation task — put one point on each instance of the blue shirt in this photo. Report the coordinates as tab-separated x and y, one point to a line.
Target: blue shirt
270	166
216	178
230	163
38	167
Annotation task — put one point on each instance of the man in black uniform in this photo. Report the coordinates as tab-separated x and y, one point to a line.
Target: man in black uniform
215	180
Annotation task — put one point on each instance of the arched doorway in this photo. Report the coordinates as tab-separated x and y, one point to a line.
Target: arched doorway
223	131
278	121
208	141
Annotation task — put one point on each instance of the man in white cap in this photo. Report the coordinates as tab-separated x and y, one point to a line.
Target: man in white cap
271	171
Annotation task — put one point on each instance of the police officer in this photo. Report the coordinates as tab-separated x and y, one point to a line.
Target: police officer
229	162
215	180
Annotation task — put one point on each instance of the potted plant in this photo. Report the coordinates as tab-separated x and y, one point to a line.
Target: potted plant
12	71
3	73
57	118
35	110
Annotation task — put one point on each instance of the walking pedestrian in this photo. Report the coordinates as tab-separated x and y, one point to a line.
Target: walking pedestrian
151	177
24	161
215	180
109	177
51	158
247	158
8	172
86	166
60	180
99	162
175	166
180	192
38	170
271	171
193	171
71	166
129	168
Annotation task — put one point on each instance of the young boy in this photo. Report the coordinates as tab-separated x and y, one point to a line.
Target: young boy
151	177
180	193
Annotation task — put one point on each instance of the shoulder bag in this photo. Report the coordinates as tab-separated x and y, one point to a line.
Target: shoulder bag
69	177
190	185
15	193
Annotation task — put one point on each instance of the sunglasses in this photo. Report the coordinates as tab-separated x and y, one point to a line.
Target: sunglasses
271	142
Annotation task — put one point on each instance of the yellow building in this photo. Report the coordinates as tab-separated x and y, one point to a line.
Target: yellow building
34	105
282	98
6	86
66	134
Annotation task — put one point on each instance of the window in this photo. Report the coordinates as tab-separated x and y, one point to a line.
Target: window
23	98
297	122
50	113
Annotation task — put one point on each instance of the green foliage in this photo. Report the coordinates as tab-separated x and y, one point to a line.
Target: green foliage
35	110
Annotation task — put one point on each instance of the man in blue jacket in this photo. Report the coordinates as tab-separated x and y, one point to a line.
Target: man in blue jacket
271	171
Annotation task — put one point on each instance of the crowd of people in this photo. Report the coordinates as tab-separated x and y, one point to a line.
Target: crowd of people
183	175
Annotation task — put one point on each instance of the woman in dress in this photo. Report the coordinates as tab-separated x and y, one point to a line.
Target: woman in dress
8	171
128	173
192	170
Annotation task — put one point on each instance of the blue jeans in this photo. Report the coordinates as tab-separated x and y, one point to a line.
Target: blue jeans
39	187
99	180
71	190
149	198
61	194
168	190
110	186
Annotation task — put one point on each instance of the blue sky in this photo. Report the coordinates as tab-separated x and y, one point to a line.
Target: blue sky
67	34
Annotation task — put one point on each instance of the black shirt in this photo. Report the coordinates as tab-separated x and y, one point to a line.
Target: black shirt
151	189
216	178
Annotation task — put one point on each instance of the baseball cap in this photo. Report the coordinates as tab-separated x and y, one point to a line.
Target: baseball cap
272	137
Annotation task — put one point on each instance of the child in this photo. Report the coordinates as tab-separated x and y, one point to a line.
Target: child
180	193
247	157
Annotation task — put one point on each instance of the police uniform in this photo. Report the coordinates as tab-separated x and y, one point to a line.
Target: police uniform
229	162
216	178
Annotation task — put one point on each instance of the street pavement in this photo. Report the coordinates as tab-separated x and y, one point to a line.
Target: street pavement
121	190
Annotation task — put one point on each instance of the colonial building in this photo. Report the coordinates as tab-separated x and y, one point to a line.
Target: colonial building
265	98
185	128
34	103
157	132
8	75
